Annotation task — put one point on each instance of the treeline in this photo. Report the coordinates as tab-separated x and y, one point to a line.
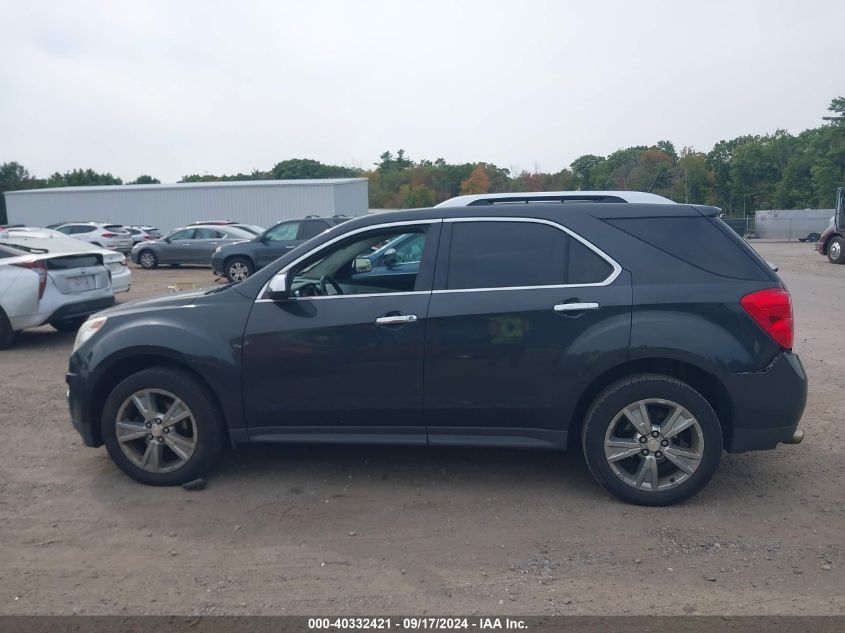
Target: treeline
740	175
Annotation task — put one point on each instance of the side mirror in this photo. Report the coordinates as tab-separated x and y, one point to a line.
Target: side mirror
362	265
167	239
278	287
389	257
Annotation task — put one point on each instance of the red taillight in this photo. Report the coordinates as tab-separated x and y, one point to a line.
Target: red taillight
772	310
41	268
109	234
148	237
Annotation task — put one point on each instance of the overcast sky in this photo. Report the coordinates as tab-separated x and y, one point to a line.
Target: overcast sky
172	88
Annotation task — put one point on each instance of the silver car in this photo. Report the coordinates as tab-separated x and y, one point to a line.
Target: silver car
189	245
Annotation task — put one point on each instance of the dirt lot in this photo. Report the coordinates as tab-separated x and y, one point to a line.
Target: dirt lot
345	530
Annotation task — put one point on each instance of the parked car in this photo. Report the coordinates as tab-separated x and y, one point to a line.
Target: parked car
252	228
54	242
831	243
111	236
38	287
143	233
190	245
525	197
604	328
238	261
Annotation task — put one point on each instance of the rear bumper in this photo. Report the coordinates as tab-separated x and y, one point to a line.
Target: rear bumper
82	308
767	404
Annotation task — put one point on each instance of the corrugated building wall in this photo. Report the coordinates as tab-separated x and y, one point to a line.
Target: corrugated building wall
261	202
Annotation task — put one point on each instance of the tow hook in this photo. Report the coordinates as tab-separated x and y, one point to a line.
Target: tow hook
797	437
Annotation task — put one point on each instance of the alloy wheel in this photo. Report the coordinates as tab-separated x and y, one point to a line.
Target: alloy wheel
654	444
238	271
156	430
835	250
148	260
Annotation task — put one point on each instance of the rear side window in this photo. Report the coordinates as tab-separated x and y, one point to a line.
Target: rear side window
696	241
207	234
312	228
508	254
115	228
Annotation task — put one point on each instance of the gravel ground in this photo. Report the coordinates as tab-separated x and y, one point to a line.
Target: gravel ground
362	530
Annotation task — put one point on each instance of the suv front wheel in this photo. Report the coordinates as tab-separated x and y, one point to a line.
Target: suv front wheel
162	426
238	269
652	440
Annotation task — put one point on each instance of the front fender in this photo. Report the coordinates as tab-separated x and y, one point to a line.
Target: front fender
212	351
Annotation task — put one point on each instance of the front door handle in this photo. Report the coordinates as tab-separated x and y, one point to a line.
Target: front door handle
396	319
576	307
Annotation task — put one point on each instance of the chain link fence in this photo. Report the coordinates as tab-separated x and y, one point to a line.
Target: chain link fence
804	226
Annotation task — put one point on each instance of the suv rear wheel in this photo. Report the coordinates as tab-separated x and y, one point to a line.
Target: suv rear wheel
836	251
652	440
162	426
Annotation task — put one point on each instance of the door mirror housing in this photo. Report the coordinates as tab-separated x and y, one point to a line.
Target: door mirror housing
277	289
389	257
362	265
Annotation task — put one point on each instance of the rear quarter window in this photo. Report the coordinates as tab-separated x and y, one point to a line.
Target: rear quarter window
699	242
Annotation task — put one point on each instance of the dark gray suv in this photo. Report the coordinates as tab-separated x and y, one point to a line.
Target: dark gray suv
236	262
648	335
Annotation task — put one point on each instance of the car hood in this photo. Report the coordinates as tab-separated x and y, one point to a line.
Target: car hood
181	299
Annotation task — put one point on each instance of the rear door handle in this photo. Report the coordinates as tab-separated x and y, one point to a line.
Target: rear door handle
575	307
396	319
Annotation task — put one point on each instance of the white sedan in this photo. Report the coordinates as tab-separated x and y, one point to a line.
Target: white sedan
55	242
61	289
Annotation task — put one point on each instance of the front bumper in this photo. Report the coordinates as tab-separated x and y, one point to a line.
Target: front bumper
767	404
78	380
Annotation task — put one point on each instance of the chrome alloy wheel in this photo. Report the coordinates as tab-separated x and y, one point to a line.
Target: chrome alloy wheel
238	271
147	259
835	250
156	430
654	444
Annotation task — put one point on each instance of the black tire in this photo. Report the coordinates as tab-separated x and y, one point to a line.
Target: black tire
69	325
627	391
236	267
813	237
147	259
836	251
7	334
210	428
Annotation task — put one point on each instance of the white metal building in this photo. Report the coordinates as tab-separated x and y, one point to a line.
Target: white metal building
261	202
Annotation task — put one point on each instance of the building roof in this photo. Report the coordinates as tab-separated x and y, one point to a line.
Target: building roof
193	185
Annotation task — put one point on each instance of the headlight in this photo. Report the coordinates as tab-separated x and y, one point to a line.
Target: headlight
87	330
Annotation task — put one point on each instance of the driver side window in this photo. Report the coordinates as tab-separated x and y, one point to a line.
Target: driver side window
364	264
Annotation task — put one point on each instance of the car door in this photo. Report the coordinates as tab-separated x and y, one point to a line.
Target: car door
204	242
340	367
177	248
522	311
277	241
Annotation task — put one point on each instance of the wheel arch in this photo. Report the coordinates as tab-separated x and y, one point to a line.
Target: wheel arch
124	367
707	384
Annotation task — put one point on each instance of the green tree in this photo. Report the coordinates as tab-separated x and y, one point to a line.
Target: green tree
145	180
